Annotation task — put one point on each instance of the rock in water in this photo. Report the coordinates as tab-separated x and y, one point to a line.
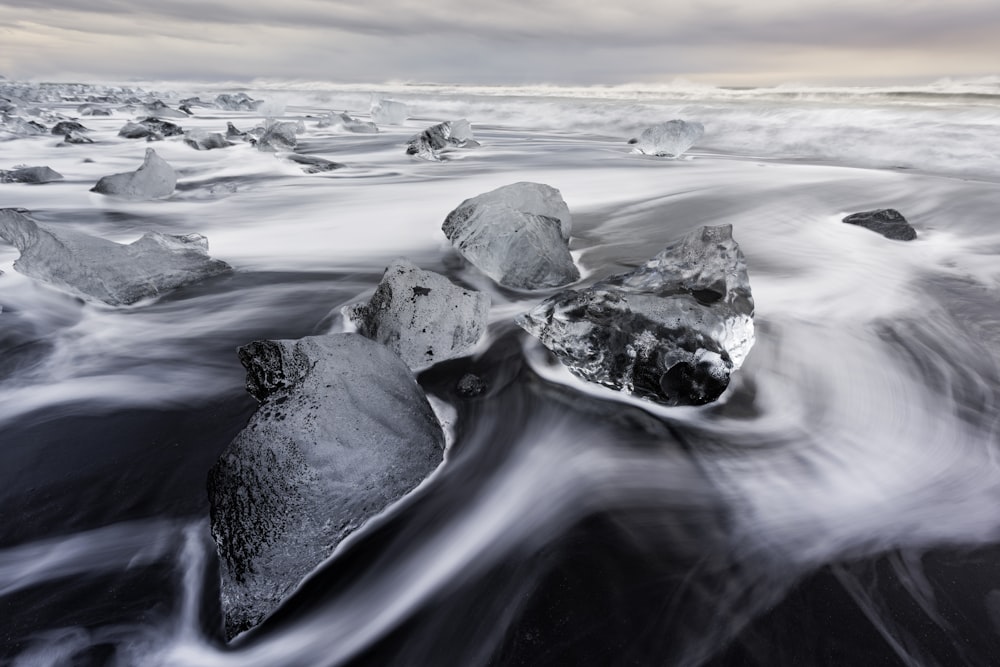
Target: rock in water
30	175
346	123
389	112
671	331
517	235
449	134
421	316
96	268
669	139
342	431
155	178
888	222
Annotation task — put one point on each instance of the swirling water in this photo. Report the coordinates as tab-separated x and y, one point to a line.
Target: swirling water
836	507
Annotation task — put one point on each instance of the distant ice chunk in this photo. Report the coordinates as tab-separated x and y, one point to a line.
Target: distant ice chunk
389	112
672	331
66	127
888	222
421	315
103	270
449	134
77	138
347	123
234	134
158	109
155	178
205	141
312	164
669	139
342	432
20	127
150	128
237	102
30	175
278	136
517	235
89	109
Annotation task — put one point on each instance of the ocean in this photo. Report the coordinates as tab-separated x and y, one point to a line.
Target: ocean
836	506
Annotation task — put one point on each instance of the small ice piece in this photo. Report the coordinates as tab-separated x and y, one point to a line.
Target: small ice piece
88	109
389	112
421	315
30	175
202	141
66	127
312	164
517	235
672	331
343	430
77	138
888	222
233	133
158	109
449	134
346	123
155	178
237	102
669	139
103	270
278	136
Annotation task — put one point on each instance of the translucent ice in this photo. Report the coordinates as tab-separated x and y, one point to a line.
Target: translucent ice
449	134
150	128
389	112
205	141
671	331
237	102
347	123
421	315
669	139
155	178
103	270
278	136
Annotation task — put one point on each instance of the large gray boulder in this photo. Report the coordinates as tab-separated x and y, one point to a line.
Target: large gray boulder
421	315
517	235
154	179
342	431
669	139
102	270
671	331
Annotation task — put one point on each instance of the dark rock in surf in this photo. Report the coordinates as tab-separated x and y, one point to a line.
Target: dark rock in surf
449	134
233	133
517	235
153	179
30	175
421	315
888	222
342	432
471	386
102	270
672	331
312	164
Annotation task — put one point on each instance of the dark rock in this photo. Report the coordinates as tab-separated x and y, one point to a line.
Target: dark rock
671	331
888	222
205	142
65	127
342	432
471	386
449	134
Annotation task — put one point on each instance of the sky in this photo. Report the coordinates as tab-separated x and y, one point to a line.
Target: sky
573	42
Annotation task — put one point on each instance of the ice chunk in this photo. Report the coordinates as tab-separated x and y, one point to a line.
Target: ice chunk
150	128
421	316
233	133
389	112
347	123
671	331
449	134
30	175
342	432
22	128
888	222
158	109
312	164
66	127
103	270
155	178
669	139
517	235
237	102
77	138
89	109
202	141
278	136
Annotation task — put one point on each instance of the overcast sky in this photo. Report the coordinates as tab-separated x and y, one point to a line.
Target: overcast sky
756	42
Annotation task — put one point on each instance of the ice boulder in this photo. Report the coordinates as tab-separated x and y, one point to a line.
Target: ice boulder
312	164
342	431
237	102
204	141
449	134
30	175
65	127
233	133
389	112
668	139
103	270
517	235
671	331
888	222
278	136
421	315
155	178
343	121
150	128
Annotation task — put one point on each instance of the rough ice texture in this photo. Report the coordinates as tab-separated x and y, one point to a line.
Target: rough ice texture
68	126
103	270
389	112
202	141
77	138
421	315
342	431
449	134
669	139
30	175
888	222
155	178
347	123
237	102
312	164
150	128
160	110
525	248
278	136
671	331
